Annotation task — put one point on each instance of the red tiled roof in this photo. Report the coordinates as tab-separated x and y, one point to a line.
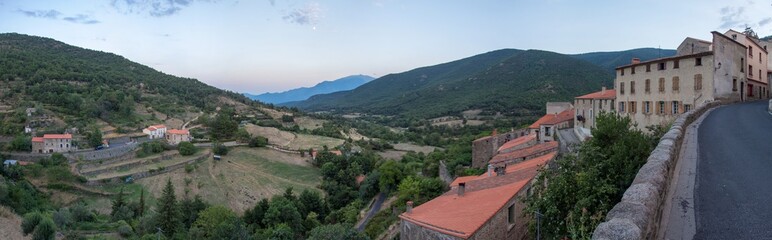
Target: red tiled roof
517	142
37	139
483	198
178	131
525	152
57	136
603	94
552	119
156	127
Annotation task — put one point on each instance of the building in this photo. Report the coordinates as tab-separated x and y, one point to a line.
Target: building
727	68
51	143
155	131
483	149
546	127
587	107
477	207
176	136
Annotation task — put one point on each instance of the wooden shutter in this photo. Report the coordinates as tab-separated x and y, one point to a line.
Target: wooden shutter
681	107
667	108
656	108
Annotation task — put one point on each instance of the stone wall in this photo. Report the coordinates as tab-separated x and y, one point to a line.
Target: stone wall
107	153
149	173
29	157
483	149
412	231
637	215
129	165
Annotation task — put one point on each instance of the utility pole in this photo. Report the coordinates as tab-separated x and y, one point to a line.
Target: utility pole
538	224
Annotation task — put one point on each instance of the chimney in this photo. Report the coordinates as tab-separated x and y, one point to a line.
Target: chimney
603	90
490	170
635	61
409	208
495	132
461	189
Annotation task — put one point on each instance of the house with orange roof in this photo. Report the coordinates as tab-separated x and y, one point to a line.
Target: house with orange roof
176	136
524	154
546	127
155	131
477	207
587	107
51	143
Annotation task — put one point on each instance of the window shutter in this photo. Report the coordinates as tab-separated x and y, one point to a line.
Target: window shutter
656	108
681	107
667	108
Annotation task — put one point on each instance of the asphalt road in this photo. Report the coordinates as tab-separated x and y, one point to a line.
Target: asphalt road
733	194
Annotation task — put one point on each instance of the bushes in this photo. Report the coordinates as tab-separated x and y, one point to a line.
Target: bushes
150	148
124	229
219	149
258	141
30	221
187	148
45	230
20	143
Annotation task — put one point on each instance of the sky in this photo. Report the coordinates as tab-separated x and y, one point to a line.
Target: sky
274	45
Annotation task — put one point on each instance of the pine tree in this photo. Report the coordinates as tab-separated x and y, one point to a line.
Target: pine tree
141	208
118	203
168	217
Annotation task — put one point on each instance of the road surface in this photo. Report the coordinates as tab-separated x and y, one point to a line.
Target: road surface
376	207
733	195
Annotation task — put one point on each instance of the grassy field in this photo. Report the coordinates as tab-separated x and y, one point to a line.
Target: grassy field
309	123
241	178
149	166
293	140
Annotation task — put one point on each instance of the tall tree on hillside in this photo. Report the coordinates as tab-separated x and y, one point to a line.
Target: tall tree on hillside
141	207
94	137
168	216
118	203
223	126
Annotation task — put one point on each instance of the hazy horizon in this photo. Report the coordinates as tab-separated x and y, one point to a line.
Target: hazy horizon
274	46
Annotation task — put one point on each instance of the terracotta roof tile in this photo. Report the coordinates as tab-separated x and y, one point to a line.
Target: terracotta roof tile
607	94
517	142
178	131
483	198
37	139
57	136
551	119
524	153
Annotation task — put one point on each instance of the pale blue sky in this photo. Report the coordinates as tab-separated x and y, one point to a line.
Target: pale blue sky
274	45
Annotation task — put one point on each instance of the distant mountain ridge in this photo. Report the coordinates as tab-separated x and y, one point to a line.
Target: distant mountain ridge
303	93
611	60
511	81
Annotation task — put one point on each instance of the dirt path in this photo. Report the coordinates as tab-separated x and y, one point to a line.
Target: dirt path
184	126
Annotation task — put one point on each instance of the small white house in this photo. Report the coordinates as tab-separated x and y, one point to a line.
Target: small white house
155	131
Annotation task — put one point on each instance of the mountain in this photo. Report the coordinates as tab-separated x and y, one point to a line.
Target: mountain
510	81
79	86
611	60
300	94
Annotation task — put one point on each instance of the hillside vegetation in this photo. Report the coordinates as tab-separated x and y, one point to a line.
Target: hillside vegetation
612	60
80	85
509	81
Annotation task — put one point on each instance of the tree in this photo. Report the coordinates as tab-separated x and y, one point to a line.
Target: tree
94	137
223	126
210	219
287	118
20	143
281	210
120	209
186	148
30	221
141	206
45	230
311	201
118	202
391	174
191	209
242	135
258	141
219	149
335	231
254	216
168	216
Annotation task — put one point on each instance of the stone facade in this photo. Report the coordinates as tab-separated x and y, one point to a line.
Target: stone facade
589	108
51	143
483	149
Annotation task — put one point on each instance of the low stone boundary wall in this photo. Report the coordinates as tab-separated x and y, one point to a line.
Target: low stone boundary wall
29	157
139	175
637	215
128	166
107	153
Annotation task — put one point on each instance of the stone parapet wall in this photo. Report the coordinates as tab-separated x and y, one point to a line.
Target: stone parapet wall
637	215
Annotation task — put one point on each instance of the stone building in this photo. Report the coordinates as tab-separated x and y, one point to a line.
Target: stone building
587	107
483	149
657	91
155	131
176	136
547	126
51	143
488	206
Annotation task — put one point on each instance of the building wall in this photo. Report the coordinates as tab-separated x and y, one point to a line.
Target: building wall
518	147
684	94
412	231
728	58
557	107
175	139
38	147
590	108
57	145
692	46
484	149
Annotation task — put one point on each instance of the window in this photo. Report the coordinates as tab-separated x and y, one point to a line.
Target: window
687	107
759	74
622	71
675	63
734	85
621	107
742	63
648	67
661	109
511	214
750	70
698	62
661	66
633	107
750	90
547	131
632	87
648	86
675	107
591	114
647	107
750	51
621	88
661	85
697	82
632	70
612	105
676	86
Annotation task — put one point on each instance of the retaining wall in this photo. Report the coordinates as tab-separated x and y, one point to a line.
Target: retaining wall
139	175
637	215
112	152
127	166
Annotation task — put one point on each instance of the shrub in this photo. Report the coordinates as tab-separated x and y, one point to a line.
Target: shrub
30	221
45	230
187	148
258	141
189	168
124	229
220	149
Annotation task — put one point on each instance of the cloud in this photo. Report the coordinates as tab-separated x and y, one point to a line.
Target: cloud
155	8
273	2
732	17
310	14
765	21
81	18
50	14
